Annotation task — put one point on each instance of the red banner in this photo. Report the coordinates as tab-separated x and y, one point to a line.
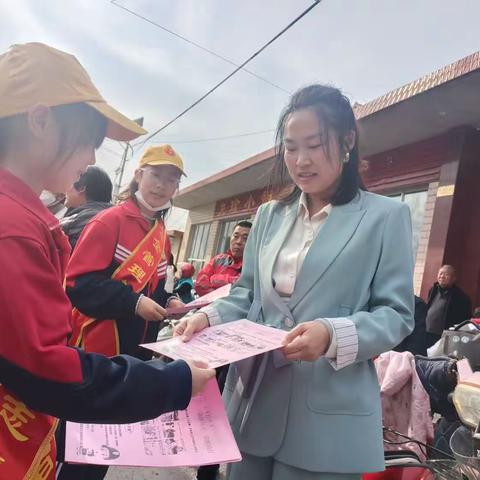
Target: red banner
28	444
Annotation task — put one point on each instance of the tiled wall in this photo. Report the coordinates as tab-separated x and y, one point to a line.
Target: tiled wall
424	237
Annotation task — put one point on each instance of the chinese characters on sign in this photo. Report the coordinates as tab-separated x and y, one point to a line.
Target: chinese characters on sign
148	258
20	423
137	271
15	414
245	202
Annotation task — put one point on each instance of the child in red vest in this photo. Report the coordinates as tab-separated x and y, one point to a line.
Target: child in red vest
116	276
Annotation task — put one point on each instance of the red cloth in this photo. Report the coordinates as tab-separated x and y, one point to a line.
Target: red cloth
109	238
219	271
36	312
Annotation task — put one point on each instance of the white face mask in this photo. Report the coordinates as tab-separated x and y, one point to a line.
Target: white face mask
141	201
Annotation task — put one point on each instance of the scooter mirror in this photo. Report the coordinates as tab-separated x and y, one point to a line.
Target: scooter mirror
466	396
466	399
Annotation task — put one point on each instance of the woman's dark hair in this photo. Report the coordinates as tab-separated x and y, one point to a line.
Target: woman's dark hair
80	125
335	114
97	184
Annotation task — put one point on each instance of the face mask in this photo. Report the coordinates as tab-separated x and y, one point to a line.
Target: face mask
141	201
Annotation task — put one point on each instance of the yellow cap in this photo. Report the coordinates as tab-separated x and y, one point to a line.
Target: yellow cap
34	73
162	155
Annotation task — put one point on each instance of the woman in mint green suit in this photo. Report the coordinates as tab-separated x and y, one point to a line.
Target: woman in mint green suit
332	264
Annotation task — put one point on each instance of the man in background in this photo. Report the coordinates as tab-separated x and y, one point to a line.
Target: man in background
447	304
89	195
225	267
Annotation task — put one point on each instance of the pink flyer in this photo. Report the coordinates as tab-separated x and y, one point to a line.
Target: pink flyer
199	435
201	302
222	344
215	295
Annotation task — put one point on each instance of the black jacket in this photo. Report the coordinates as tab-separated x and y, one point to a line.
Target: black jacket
75	219
459	305
438	379
93	294
417	342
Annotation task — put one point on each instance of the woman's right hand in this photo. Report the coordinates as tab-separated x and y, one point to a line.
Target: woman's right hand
191	325
200	376
150	310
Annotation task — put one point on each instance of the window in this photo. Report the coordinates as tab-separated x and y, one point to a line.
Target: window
416	202
225	231
198	245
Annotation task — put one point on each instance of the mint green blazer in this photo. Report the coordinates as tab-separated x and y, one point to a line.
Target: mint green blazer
360	266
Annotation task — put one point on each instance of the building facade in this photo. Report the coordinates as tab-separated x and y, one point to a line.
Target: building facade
420	144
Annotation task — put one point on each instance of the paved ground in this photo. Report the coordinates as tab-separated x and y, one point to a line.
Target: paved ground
125	473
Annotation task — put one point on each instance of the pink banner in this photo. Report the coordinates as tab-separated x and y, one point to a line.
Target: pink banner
222	344
199	435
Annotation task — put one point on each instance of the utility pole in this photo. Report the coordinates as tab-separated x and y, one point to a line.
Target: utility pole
121	168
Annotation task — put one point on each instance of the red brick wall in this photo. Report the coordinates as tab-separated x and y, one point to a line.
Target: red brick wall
463	240
411	165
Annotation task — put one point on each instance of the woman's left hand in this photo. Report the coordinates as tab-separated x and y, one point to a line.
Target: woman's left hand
307	341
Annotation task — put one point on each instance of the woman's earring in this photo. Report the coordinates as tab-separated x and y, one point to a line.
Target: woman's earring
347	157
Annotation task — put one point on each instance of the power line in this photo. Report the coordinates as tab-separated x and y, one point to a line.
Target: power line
108	155
215	139
194	104
108	149
112	146
201	47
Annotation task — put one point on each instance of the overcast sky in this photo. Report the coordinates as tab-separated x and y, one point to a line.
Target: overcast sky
366	47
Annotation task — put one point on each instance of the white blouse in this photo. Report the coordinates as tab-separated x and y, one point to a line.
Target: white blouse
293	252
343	346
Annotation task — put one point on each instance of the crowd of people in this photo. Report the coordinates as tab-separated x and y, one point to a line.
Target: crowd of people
326	261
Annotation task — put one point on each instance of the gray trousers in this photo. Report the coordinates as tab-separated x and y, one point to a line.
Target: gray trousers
267	468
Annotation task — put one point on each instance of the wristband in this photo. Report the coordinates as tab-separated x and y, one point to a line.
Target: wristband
138	302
